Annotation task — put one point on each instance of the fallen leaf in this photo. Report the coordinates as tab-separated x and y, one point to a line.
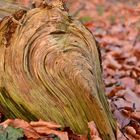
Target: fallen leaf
137	89
137	51
135	115
130	130
112	63
121	103
130	96
46	124
93	131
27	128
42	130
122	119
128	82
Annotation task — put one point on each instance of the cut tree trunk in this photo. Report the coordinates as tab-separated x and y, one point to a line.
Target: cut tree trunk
50	69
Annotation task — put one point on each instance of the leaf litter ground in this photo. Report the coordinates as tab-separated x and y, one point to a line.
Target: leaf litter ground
116	26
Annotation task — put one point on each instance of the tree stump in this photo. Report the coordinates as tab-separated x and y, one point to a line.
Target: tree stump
50	69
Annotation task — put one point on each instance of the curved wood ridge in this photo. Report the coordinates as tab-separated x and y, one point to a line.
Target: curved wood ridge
49	66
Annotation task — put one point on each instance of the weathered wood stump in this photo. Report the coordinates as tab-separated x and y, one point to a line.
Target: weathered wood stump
50	69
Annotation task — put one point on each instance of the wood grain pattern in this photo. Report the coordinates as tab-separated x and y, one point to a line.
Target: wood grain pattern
50	69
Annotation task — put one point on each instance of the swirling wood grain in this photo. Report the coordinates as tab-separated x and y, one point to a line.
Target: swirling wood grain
50	69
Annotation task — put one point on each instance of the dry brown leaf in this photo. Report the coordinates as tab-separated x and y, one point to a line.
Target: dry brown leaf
93	131
46	131
120	93
131	133
17	123
137	50
130	96
122	119
130	130
112	63
128	82
50	125
138	131
135	115
112	40
121	103
6	123
137	89
46	128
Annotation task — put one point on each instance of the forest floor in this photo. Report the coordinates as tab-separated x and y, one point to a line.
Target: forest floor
116	26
